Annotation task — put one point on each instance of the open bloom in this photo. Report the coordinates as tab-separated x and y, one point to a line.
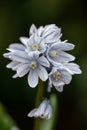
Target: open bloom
24	63
44	110
55	52
36	43
61	75
58	78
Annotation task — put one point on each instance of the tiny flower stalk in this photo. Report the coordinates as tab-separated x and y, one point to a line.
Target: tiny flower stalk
39	96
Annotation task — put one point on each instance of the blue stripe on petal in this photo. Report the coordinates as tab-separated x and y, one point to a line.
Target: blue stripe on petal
33	79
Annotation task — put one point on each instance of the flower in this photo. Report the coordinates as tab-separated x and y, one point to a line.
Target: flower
36	43
62	74
23	63
44	110
49	32
55	52
58	77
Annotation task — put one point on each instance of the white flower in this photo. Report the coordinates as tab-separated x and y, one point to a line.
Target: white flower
61	74
23	63
58	78
49	32
36	43
55	52
44	111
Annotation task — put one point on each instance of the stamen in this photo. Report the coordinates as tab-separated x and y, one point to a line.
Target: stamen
35	47
57	75
54	53
33	65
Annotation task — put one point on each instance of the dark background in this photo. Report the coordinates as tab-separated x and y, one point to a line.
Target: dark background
16	17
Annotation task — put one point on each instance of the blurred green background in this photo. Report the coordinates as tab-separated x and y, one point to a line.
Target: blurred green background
16	17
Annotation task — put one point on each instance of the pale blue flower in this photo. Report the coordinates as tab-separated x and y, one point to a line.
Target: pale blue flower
56	52
61	74
24	63
49	32
44	110
36	43
58	78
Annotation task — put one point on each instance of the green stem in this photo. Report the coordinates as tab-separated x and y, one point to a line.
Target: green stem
39	97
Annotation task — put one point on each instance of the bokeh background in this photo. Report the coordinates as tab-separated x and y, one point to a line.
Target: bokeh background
16	17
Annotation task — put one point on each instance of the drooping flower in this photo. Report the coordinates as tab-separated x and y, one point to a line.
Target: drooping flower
44	110
56	52
24	63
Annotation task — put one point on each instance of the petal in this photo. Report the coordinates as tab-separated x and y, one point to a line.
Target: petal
48	112
73	68
63	46
64	57
22	70
59	88
49	85
12	64
33	29
15	75
43	61
33	78
24	40
17	66
20	57
16	46
58	83
40	31
42	73
42	108
7	55
32	113
66	77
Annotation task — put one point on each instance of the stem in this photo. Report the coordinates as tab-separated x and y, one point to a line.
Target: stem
39	97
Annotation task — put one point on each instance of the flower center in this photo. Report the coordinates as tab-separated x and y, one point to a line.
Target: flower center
35	47
57	75
54	53
33	65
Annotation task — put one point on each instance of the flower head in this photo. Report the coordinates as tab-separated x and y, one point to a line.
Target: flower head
44	110
43	55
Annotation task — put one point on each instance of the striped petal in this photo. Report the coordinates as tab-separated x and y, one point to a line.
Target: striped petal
42	73
33	79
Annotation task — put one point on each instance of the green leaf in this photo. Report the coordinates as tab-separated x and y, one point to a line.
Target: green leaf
6	122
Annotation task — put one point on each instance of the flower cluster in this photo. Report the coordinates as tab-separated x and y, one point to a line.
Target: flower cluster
43	55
